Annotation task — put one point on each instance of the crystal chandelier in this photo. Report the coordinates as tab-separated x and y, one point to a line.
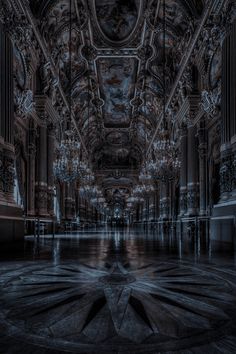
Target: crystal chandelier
138	190
133	199
98	202
129	205
84	191
66	165
144	175
142	189
165	165
87	191
93	194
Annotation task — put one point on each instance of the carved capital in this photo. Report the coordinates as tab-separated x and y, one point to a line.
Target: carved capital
227	174
41	195
7	173
210	102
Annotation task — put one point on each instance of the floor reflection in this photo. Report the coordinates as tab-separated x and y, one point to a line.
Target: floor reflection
120	242
118	291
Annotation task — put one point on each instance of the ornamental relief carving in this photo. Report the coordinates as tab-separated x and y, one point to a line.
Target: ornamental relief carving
7	174
226	175
210	102
183	201
24	103
41	198
193	198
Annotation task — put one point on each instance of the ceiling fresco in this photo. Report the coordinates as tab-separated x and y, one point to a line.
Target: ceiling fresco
117	71
117	78
117	18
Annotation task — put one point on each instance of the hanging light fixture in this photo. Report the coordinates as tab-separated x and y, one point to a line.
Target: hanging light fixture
145	177
88	189
145	185
141	189
67	164
165	163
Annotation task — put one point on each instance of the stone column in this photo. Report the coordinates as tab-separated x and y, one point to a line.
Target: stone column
11	221
6	119
223	224
160	201
202	170
62	199
228	107
171	199
232	102
234	173
141	213
2	197
165	200
192	196
81	210
156	204
7	174
31	171
183	171
6	88
144	213
69	202
147	208
152	207
50	160
42	176
226	97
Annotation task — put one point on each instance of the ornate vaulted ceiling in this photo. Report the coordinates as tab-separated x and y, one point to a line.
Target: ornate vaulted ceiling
117	72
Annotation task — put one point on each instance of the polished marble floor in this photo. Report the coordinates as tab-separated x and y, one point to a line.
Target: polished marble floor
117	291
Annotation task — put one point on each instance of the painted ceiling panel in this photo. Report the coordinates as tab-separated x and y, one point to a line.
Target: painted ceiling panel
117	78
117	18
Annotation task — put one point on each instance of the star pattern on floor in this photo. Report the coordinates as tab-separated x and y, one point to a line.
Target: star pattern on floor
157	305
